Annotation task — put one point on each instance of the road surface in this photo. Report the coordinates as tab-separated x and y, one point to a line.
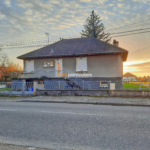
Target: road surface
75	127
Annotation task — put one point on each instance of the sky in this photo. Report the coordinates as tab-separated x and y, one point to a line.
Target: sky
22	20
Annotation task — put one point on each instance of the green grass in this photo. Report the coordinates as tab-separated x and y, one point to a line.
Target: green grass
4	89
131	86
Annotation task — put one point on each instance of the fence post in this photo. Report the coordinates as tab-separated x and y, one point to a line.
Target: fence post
35	86
109	88
83	85
139	85
23	88
59	84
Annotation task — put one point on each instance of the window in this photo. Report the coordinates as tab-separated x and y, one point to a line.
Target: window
48	64
29	65
81	64
104	84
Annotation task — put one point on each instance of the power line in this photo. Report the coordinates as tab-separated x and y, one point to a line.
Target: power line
129	24
140	50
30	43
130	34
130	31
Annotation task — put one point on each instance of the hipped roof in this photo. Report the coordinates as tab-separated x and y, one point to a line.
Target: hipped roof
75	47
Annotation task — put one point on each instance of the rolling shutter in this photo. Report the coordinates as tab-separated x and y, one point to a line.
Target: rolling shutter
81	64
29	66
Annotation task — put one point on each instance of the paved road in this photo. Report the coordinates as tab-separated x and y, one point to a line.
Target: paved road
75	127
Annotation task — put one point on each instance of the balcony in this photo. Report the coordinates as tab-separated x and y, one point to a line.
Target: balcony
39	74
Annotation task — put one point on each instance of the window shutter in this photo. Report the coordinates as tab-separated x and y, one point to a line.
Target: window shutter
81	64
29	66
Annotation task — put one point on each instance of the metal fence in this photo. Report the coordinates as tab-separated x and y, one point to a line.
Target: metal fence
72	84
18	88
136	85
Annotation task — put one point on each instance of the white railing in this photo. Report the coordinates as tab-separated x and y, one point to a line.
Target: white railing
39	74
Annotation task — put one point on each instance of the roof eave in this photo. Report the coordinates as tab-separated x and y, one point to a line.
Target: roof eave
124	55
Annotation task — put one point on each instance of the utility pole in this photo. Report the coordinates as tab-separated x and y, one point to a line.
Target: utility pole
47	34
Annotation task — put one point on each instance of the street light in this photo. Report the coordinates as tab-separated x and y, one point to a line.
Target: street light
47	34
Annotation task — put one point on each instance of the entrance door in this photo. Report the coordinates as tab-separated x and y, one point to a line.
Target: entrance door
58	67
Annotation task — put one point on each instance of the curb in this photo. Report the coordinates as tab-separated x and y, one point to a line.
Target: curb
92	103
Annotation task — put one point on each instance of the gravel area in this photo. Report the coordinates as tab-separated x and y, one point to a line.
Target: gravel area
16	147
79	99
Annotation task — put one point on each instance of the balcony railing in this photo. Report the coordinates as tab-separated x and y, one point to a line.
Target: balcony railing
39	74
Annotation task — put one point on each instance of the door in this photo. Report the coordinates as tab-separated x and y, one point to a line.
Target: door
58	67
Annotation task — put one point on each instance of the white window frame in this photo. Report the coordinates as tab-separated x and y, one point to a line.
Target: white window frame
86	64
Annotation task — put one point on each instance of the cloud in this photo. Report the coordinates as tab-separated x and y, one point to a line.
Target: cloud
8	3
141	65
142	1
85	0
30	17
29	12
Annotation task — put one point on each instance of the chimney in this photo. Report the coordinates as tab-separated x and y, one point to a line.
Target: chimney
115	43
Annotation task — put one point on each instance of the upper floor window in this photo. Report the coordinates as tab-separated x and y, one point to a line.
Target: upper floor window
81	64
29	65
48	64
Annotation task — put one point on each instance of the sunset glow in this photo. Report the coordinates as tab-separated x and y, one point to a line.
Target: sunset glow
139	68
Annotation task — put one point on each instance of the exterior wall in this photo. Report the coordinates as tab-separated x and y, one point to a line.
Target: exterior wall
99	66
103	93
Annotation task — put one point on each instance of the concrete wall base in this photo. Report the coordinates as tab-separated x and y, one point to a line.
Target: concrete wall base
102	93
15	93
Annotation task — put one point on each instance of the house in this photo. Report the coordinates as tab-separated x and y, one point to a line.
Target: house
129	77
79	59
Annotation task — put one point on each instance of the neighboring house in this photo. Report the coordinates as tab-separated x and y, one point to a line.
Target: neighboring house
88	59
129	77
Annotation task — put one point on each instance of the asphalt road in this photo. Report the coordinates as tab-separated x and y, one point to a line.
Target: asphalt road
75	127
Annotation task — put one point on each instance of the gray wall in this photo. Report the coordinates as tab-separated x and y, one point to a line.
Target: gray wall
106	93
98	66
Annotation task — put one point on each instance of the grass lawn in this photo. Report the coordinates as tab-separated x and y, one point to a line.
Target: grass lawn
131	86
4	89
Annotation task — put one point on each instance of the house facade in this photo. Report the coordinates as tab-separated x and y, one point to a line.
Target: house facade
87	59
